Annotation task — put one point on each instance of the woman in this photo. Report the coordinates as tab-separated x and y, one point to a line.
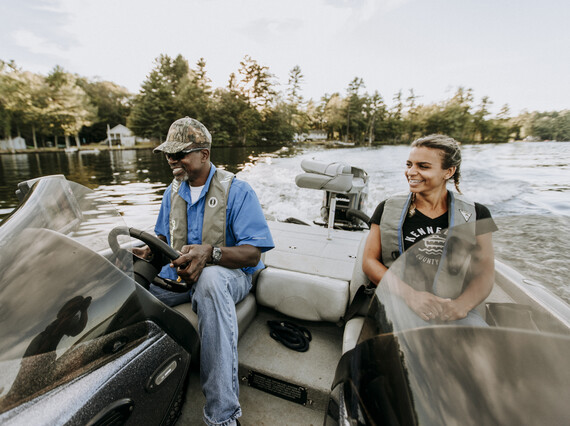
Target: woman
426	214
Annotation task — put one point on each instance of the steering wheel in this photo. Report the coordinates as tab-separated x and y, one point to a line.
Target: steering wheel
146	271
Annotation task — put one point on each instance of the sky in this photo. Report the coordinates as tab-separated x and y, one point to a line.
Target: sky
516	52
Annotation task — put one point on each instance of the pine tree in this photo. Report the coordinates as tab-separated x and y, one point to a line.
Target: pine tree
157	105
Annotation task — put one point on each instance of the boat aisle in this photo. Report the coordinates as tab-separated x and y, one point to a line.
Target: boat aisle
313	370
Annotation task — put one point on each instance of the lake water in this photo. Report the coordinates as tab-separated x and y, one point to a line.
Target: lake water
522	179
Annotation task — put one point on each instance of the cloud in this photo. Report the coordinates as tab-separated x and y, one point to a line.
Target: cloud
34	35
36	44
263	27
366	9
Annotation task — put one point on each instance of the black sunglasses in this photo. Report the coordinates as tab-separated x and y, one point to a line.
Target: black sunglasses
177	156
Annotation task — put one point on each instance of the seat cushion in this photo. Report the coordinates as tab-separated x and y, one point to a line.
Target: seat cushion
302	296
359	278
351	332
341	183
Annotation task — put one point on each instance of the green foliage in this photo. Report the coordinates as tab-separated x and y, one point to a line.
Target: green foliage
294	96
68	107
294	109
275	126
113	104
43	106
249	111
237	120
353	110
10	90
159	103
194	99
550	125
255	84
334	117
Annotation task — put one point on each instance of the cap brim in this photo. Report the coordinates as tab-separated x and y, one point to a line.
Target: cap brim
171	147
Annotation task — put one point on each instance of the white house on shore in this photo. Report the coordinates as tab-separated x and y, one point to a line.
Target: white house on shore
120	135
313	135
13	144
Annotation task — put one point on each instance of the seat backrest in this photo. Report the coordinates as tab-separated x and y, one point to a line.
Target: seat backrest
307	275
302	296
354	324
332	177
359	278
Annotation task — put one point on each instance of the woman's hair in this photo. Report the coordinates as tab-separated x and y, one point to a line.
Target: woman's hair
451	154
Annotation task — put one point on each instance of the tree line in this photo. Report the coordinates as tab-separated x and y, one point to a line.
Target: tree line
252	109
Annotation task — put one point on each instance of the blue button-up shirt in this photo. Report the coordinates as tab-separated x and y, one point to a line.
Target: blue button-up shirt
245	221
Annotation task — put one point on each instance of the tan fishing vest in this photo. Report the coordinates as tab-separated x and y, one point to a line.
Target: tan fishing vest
462	219
214	225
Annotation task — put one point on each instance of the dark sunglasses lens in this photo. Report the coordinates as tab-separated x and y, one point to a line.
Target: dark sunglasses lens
176	156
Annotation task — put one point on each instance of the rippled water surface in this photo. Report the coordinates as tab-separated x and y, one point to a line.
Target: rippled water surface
516	179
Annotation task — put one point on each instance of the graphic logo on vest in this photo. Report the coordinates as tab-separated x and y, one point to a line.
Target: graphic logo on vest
466	215
213	202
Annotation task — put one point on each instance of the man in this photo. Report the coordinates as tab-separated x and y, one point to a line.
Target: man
212	219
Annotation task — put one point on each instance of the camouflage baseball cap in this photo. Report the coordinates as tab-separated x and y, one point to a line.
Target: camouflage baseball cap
185	133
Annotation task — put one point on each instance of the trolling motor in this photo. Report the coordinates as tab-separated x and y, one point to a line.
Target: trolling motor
346	190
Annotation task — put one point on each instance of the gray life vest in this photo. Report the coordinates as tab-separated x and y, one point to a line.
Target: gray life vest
461	228
214	225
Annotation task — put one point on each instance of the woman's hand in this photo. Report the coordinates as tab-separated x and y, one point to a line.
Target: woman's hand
426	305
453	310
481	284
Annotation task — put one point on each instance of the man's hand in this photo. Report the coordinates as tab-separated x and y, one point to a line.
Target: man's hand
142	252
192	261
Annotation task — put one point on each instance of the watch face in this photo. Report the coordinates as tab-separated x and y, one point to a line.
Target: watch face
216	254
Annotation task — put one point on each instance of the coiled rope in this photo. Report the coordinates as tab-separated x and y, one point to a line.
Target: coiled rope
291	335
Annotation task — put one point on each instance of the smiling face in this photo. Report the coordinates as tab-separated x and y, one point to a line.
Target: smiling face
193	167
424	170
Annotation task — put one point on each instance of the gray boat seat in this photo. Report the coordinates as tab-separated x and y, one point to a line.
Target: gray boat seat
333	177
307	275
327	169
310	296
301	295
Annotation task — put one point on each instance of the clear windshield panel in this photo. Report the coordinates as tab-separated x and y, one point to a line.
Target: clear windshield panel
441	279
65	293
454	336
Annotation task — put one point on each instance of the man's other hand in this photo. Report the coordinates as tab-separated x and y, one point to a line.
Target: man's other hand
142	252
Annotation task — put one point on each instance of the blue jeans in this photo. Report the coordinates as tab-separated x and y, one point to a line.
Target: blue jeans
170	298
214	297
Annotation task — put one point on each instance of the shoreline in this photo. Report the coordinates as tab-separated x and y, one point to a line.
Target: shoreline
142	146
93	147
90	147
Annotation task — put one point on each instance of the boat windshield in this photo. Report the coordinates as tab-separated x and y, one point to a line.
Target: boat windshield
454	336
62	288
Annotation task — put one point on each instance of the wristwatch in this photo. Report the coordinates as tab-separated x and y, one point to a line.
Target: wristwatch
216	255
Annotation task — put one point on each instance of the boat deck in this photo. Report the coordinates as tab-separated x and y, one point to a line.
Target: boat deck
313	370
